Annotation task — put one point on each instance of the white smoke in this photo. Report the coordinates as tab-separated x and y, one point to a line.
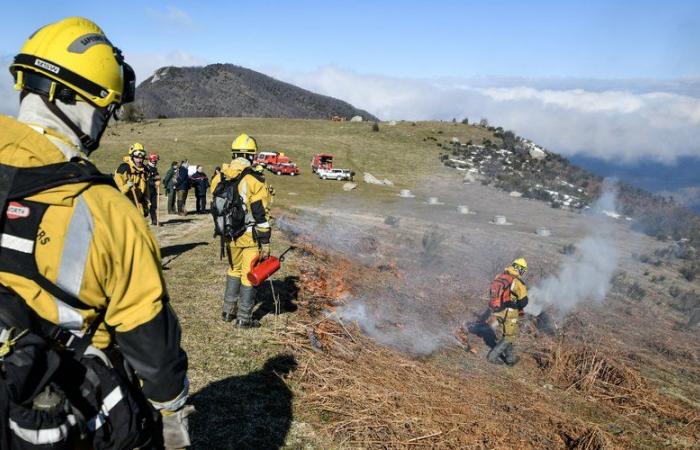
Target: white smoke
402	330
586	274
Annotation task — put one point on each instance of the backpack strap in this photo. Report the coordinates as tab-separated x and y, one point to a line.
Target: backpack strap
25	182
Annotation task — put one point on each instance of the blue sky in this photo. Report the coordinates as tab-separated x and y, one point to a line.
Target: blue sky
617	80
583	39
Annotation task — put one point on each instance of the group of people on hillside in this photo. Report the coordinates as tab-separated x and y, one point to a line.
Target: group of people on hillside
90	348
179	179
137	177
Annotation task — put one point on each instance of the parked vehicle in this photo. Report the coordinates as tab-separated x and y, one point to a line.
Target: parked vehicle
322	161
336	174
265	158
290	169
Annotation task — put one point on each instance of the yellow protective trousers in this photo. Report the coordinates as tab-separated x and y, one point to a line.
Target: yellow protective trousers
506	322
240	262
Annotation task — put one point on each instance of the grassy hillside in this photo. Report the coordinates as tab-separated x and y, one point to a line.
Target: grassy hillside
624	374
399	152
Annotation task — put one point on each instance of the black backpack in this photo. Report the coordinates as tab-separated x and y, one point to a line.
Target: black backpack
53	394
227	208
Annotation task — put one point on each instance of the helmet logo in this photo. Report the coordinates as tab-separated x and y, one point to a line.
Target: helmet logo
86	41
47	65
17	211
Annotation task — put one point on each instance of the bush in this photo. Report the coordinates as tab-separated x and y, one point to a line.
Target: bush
690	270
465	121
674	291
636	291
375	127
689	301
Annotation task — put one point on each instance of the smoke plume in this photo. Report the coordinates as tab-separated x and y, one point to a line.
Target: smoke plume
585	275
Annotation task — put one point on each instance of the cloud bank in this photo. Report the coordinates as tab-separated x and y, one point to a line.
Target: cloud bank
650	119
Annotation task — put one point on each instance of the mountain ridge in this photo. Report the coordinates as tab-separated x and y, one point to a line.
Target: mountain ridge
227	90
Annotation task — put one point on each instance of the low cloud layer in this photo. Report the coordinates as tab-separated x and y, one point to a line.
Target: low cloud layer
648	119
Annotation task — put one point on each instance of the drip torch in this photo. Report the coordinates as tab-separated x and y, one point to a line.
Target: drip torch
261	270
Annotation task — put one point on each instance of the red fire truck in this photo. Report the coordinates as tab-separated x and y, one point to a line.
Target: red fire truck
322	161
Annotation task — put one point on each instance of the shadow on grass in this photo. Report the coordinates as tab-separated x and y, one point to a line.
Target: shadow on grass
287	290
481	328
175	221
179	249
252	411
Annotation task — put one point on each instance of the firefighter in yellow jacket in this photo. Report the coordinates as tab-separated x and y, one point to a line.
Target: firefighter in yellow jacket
255	241
86	242
130	178
508	298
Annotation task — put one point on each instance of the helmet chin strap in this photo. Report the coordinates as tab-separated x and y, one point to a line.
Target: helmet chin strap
88	142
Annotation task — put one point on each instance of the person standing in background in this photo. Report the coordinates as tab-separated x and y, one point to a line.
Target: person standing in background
200	182
169	183
153	179
182	185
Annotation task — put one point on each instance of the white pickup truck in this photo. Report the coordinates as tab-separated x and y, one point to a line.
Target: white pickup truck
336	174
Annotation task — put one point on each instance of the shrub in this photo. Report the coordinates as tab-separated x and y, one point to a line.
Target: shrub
375	127
465	121
636	291
690	270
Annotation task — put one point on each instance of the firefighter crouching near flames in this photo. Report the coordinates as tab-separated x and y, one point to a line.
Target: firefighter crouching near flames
255	242
131	178
90	244
508	298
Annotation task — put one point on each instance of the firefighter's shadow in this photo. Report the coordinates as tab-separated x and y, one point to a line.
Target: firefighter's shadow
252	411
176	221
178	249
286	291
481	328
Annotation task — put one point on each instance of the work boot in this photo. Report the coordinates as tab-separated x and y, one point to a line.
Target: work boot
496	353
245	308
509	355
233	288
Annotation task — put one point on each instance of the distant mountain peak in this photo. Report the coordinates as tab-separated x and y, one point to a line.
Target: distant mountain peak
227	90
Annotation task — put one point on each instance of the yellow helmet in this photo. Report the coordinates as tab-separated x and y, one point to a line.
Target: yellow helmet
73	56
137	151
244	144
520	265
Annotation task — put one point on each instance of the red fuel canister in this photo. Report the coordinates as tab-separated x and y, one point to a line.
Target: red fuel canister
261	270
